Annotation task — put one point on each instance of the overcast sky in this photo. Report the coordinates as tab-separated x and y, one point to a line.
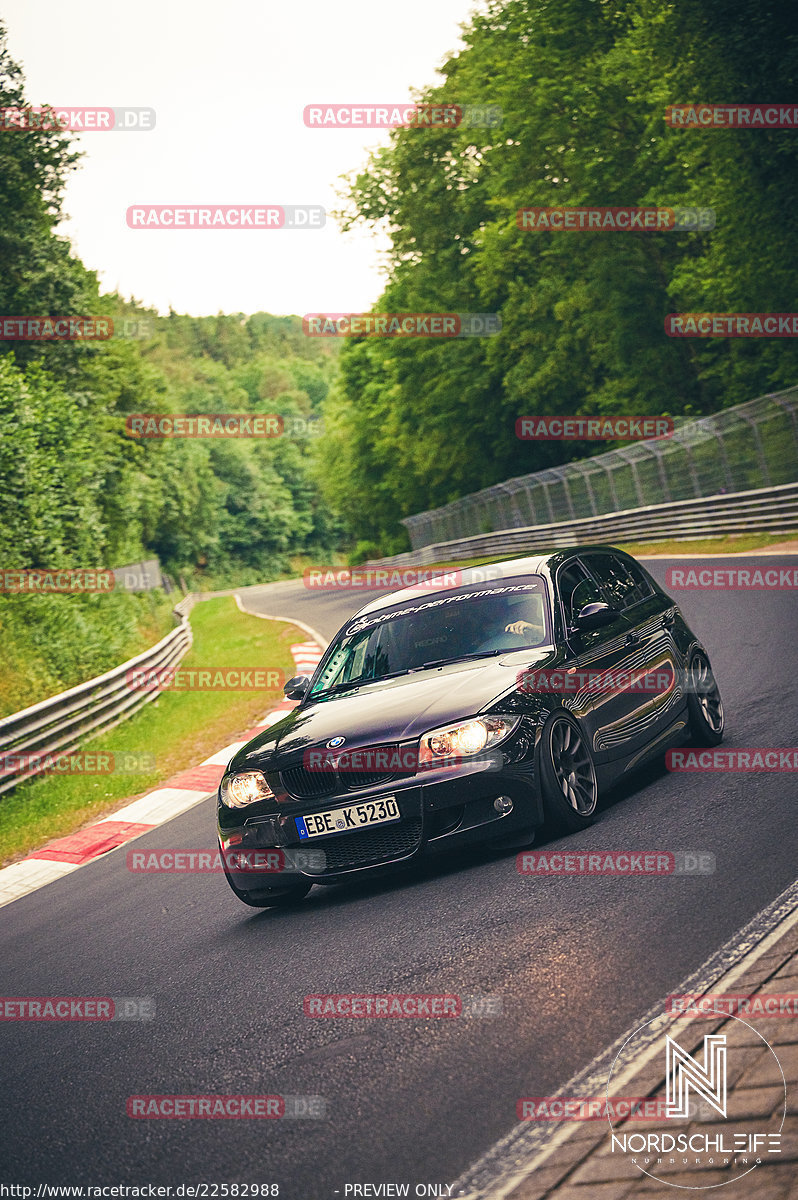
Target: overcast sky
228	82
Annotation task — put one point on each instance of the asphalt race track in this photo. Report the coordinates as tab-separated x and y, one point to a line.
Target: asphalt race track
575	960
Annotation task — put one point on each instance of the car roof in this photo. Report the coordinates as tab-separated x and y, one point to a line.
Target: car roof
536	564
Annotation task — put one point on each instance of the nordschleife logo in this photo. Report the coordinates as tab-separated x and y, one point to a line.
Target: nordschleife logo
697	1144
685	1074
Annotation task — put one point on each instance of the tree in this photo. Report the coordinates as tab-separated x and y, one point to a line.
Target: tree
583	88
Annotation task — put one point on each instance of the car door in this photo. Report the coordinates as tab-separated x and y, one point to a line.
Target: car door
597	657
649	661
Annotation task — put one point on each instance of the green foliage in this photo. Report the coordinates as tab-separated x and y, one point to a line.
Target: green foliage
363	552
75	488
173	731
38	274
583	86
53	642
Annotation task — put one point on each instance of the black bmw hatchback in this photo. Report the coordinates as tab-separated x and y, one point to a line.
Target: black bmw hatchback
473	708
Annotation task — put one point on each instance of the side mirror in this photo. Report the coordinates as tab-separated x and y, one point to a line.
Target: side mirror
296	688
595	616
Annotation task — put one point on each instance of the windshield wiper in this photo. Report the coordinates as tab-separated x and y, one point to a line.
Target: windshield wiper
353	683
348	684
444	662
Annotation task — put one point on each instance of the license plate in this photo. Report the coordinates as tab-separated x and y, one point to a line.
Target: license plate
349	819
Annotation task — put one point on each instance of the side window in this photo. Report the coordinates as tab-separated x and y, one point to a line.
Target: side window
622	583
576	589
642	588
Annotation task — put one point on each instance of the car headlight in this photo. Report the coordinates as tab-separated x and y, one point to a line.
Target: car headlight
245	788
467	738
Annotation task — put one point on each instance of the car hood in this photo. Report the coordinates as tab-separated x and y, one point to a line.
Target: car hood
397	710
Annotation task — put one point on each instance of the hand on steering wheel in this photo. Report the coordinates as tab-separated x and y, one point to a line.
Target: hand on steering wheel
519	627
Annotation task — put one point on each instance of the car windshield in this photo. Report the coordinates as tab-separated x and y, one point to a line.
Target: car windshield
466	622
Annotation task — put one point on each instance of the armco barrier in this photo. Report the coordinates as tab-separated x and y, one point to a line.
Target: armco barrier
752	445
764	509
62	723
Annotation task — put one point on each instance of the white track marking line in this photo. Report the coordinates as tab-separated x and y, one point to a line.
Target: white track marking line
222	757
154	809
29	875
317	638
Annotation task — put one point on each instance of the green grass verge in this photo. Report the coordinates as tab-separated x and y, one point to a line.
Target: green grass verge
179	730
725	544
52	642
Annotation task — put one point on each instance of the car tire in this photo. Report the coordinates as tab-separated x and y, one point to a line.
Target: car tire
569	785
704	705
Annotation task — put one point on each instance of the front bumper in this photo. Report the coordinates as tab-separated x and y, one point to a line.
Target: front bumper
440	807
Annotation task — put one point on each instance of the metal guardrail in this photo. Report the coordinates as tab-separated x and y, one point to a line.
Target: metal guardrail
751	445
756	511
60	724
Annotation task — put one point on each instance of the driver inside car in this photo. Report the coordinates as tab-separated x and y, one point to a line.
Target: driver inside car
510	623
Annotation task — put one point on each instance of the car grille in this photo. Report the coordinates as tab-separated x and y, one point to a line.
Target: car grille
304	783
371	846
360	779
308	785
